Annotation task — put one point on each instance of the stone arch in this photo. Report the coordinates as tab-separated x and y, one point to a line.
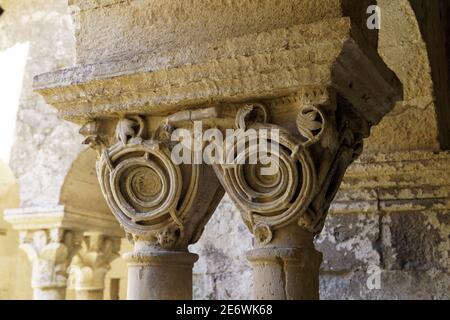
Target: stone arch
81	194
408	42
435	27
80	188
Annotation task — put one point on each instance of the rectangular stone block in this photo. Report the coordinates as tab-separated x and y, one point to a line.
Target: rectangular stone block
349	242
395	285
416	241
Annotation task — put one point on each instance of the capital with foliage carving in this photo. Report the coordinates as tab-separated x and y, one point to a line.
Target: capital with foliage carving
50	252
91	263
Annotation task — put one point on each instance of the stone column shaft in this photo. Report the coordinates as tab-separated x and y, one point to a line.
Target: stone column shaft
286	270
160	275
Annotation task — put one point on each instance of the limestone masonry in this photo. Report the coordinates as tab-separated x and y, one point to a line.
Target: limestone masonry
94	207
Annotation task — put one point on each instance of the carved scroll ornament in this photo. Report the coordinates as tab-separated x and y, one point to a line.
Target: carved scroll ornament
143	186
154	199
310	165
269	202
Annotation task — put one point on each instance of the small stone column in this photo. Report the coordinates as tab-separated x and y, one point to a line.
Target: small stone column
159	275
284	202
50	251
91	263
162	206
288	268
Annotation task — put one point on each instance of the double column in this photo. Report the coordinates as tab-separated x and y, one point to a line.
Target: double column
314	89
91	263
282	177
58	246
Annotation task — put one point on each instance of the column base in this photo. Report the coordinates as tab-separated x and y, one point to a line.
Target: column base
57	293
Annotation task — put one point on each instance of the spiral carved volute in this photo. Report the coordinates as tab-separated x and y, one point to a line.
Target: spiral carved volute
168	205
272	201
307	161
143	187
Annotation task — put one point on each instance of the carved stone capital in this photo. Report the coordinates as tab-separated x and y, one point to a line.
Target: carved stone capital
317	136
50	252
91	263
157	201
323	85
51	237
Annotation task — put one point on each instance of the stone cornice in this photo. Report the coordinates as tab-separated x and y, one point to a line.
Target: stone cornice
62	218
258	66
396	182
392	170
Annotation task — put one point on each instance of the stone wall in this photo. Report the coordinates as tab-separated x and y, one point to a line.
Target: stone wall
392	214
397	222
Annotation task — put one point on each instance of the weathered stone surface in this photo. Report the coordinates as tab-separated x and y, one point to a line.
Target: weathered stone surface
164	25
332	52
223	246
414	124
415	241
350	242
235	286
407	194
395	285
223	271
398	241
46	147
